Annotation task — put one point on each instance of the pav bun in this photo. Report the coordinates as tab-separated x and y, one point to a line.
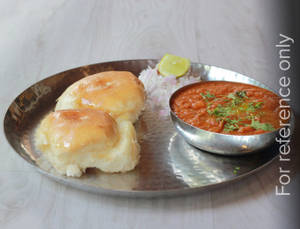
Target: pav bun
74	140
119	93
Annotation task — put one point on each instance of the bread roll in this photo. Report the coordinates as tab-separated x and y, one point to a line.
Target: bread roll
73	140
119	93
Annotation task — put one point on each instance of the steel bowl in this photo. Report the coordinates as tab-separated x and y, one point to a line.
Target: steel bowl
224	144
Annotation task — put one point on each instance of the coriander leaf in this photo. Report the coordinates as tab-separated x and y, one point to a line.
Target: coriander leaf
207	95
251	107
250	117
210	112
237	97
235	100
231	96
222	111
231	125
258	105
232	121
241	94
261	126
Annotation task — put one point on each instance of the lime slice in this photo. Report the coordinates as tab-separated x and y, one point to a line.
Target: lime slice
173	65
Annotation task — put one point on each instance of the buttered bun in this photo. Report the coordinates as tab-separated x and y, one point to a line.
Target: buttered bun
73	140
119	93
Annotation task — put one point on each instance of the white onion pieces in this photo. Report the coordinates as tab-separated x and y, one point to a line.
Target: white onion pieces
160	88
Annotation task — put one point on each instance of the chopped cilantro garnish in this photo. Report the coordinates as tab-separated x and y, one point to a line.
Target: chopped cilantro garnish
250	117
258	105
210	112
222	111
236	104
231	96
261	126
241	94
237	97
253	107
207	95
231	125
250	108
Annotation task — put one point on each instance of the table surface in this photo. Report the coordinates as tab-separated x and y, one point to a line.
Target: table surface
41	38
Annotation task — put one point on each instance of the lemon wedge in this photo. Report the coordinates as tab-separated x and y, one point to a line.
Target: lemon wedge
173	65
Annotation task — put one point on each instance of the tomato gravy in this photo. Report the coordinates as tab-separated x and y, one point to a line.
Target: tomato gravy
228	107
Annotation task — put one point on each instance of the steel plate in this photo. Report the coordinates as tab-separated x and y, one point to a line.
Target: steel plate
168	164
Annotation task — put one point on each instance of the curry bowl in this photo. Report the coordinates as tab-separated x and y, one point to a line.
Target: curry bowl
222	143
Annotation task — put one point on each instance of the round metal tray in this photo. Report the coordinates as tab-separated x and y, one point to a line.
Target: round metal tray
168	164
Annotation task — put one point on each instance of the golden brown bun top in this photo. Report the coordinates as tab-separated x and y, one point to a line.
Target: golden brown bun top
115	92
70	130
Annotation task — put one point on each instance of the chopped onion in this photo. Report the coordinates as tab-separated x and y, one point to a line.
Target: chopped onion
160	88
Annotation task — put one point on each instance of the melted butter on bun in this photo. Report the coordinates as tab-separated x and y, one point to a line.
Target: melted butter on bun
73	140
119	93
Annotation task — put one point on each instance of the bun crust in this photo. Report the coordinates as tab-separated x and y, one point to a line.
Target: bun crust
119	93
